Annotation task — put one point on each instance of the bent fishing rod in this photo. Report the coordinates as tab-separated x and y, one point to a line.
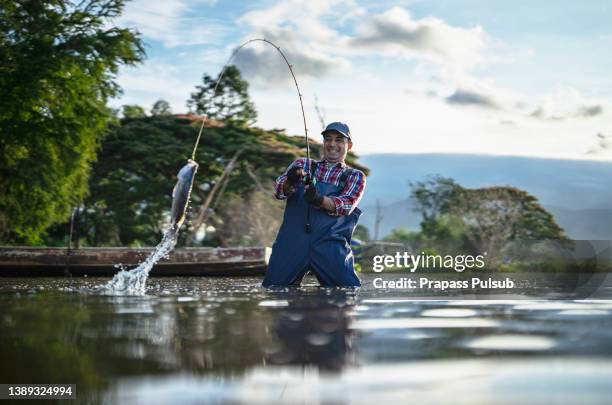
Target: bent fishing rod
309	175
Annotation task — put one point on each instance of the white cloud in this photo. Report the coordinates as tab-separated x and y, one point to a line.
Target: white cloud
297	28
318	47
262	63
602	147
561	105
567	103
172	22
396	33
465	90
296	12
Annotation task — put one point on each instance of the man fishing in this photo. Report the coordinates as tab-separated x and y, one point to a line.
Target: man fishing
320	216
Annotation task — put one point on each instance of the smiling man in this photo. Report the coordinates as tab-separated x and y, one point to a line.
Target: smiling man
320	216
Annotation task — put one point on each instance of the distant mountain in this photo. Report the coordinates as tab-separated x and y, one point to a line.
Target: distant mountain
578	193
588	224
396	214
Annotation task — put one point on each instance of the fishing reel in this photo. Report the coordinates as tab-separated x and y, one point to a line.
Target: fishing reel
309	180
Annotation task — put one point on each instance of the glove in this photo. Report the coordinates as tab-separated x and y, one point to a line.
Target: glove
312	197
294	175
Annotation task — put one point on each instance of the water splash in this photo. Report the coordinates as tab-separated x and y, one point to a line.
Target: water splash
134	282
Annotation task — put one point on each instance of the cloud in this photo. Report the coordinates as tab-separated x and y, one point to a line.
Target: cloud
396	33
261	62
266	65
591	111
481	93
471	98
318	48
602	147
172	23
508	123
581	112
566	104
305	20
297	28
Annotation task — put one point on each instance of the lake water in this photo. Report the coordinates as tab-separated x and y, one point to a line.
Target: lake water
227	340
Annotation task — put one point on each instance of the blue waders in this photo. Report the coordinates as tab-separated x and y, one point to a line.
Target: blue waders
326	250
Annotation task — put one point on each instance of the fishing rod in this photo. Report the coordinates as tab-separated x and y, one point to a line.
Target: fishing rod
309	175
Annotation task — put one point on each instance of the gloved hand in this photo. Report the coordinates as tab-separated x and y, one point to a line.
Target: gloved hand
294	175
312	196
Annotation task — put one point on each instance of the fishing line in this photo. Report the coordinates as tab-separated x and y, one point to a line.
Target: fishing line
290	66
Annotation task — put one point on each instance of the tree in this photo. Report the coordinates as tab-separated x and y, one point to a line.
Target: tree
59	62
161	107
432	197
483	218
252	219
495	215
401	235
230	103
133	111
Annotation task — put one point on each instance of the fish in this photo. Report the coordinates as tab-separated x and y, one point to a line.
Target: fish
181	193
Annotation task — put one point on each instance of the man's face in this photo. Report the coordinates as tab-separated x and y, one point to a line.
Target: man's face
335	147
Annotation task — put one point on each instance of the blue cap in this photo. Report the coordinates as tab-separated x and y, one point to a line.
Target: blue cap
339	127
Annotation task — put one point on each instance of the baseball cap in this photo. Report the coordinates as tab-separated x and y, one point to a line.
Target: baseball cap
339	127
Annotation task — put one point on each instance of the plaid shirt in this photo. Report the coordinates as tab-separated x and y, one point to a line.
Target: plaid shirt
330	173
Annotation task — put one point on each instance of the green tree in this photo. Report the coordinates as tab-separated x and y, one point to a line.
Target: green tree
133	111
432	197
401	235
59	62
448	228
494	216
504	213
230	103
161	107
485	219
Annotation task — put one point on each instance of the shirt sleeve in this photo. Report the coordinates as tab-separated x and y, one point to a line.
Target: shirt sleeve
351	194
280	181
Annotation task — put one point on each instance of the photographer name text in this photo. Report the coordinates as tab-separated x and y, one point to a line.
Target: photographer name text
442	285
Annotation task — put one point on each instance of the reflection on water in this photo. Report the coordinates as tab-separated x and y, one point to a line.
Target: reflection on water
313	329
194	340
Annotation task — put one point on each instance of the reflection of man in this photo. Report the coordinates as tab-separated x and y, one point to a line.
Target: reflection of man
320	216
314	329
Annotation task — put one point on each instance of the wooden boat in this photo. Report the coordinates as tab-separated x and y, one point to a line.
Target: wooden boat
34	261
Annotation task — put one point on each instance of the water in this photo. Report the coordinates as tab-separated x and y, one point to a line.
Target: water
226	340
134	282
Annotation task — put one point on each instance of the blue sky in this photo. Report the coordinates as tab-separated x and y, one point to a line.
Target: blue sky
513	78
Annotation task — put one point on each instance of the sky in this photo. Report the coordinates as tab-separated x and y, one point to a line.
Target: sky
521	78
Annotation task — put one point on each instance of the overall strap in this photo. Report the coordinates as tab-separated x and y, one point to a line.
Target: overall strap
341	181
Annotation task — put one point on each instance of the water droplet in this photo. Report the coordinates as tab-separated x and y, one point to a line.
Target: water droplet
450	312
318	339
274	303
512	343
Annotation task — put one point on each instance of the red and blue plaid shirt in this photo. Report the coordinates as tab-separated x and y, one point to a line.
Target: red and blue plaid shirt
350	194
